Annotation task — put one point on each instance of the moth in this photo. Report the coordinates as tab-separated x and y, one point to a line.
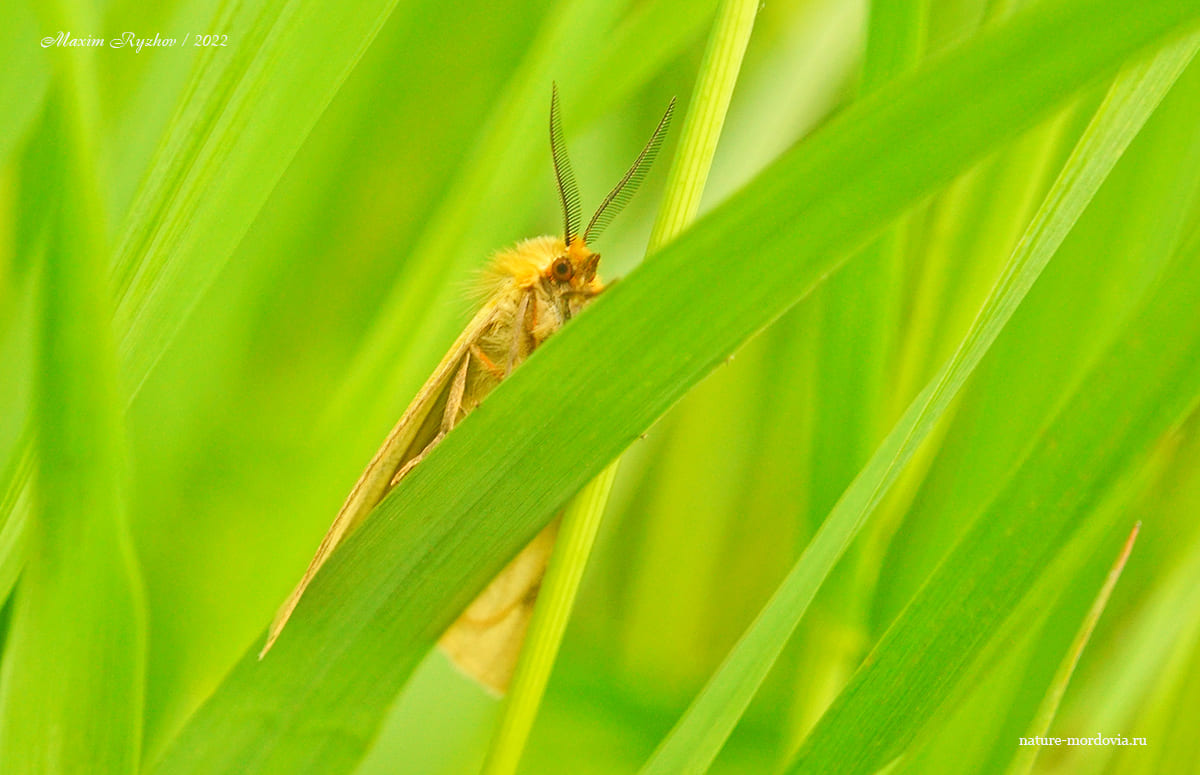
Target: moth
531	291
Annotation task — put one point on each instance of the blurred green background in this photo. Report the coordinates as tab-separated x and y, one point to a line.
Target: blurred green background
323	270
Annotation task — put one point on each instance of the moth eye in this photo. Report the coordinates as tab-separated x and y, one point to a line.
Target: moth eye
562	269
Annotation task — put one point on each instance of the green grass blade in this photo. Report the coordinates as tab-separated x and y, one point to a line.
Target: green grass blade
23	75
315	704
1023	763
71	685
241	119
705	119
16	442
14	514
1152	698
1022	657
1129	684
896	32
581	520
856	320
700	733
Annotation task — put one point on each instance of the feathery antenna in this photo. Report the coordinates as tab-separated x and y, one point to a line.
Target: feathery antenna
568	189
628	185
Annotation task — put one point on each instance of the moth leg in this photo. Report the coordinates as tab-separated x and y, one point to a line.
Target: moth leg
454	399
477	351
450	418
514	350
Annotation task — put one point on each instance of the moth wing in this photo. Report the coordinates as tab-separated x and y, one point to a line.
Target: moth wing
485	641
412	435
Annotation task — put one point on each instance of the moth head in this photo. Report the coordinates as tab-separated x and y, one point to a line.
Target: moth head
574	266
577	261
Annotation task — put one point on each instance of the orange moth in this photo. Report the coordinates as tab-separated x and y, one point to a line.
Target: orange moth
532	290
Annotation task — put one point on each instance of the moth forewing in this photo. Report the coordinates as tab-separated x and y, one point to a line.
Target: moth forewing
419	428
485	641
